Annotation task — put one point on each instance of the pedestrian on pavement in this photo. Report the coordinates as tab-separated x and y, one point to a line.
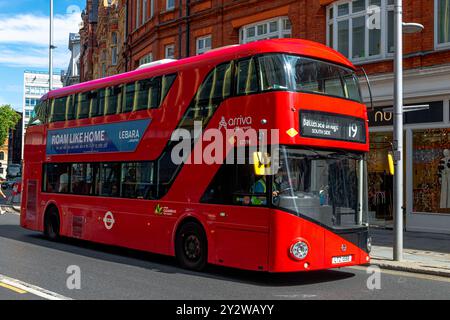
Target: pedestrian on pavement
4	197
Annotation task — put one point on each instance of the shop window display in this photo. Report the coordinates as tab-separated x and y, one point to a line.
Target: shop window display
380	181
431	170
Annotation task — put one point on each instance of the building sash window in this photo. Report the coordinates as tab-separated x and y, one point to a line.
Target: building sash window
442	23
279	27
114	48
144	11
203	44
169	51
361	30
103	70
152	8
138	13
146	59
170	4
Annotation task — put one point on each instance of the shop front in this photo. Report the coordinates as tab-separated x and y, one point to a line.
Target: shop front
426	164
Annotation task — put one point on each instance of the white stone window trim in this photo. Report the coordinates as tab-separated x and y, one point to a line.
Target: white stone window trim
385	8
437	45
166	51
280	33
205	48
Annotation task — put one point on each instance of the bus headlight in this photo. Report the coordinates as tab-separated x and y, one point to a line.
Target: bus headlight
299	250
369	244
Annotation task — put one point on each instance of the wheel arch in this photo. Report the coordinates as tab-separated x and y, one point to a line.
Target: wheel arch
182	221
51	204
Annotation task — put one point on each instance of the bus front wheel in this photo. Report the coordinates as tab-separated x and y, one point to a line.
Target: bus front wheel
191	246
51	224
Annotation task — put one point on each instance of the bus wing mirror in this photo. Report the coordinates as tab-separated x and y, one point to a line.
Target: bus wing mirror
391	163
369	87
261	163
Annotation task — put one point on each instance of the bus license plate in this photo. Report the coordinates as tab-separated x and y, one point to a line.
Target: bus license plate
342	259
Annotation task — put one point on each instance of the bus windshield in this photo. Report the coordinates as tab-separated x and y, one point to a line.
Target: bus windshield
295	73
328	187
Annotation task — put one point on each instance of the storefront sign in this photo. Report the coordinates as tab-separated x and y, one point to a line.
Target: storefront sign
378	117
332	126
114	137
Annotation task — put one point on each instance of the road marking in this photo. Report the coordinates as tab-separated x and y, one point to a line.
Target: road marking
407	274
26	287
7	286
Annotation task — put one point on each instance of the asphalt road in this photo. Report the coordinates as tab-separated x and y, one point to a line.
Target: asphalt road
117	273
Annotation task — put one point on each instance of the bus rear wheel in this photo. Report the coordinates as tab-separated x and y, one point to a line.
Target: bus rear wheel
51	224
191	246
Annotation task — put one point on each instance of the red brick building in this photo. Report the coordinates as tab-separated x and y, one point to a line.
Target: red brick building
88	40
363	31
154	25
215	23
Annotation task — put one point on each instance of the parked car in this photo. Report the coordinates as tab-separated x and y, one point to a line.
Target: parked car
13	170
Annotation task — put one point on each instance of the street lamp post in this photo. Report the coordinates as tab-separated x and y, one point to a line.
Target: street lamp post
50	50
400	28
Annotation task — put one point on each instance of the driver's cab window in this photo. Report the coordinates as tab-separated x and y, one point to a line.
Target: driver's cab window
237	184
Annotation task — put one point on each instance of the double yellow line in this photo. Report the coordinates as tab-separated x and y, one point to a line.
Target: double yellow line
10	287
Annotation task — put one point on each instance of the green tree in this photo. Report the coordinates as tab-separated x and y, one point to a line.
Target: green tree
8	120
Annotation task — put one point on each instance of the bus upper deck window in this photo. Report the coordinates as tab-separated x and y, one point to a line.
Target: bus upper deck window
147	95
113	99
273	73
94	109
166	84
101	100
39	114
58	109
315	76
247	81
83	105
129	97
70	109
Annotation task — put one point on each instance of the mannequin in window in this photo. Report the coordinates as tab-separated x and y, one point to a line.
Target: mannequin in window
444	178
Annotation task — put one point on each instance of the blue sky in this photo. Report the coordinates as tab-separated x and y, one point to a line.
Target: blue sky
24	41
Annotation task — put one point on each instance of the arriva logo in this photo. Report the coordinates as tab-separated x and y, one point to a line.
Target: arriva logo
236	122
223	123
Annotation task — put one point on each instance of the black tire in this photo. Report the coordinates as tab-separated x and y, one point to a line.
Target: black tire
191	246
51	224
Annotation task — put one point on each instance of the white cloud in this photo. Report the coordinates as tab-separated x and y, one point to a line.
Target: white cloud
24	39
33	57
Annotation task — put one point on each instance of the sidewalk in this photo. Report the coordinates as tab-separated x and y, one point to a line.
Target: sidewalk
426	253
12	204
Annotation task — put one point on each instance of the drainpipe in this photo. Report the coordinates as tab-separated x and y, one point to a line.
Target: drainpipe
125	44
188	28
180	28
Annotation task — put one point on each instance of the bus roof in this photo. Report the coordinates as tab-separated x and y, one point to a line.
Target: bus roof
293	46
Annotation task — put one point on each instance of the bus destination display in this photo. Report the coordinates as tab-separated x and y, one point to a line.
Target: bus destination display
331	126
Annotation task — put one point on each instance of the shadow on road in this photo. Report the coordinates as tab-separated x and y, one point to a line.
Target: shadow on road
168	265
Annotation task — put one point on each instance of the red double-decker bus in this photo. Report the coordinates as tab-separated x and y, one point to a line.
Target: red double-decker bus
100	160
